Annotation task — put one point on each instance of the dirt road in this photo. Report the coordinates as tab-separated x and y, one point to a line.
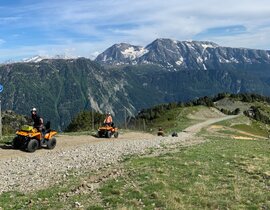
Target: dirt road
76	153
66	141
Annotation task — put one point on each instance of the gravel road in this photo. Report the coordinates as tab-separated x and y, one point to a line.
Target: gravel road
24	172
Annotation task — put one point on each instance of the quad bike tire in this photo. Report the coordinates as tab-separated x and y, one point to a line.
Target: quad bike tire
16	143
116	134
99	134
33	145
109	134
51	143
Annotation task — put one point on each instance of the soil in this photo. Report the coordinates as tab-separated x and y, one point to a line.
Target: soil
66	142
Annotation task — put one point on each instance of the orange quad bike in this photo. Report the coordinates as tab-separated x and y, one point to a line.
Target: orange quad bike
107	131
30	139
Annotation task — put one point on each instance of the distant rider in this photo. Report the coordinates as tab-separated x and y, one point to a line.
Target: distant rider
108	120
38	121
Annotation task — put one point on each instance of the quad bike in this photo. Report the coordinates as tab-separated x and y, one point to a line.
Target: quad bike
107	131
30	139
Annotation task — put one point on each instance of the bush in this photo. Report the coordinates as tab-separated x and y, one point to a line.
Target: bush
83	121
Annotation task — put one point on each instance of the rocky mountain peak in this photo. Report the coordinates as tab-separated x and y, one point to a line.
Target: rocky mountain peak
176	55
121	54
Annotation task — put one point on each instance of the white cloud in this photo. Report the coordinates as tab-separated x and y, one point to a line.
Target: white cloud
90	26
2	41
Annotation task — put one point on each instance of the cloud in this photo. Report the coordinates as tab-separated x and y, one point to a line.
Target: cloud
2	41
91	26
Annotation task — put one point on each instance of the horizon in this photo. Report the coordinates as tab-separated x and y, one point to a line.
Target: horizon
86	29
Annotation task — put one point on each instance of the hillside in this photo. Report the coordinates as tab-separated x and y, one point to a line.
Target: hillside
254	112
61	88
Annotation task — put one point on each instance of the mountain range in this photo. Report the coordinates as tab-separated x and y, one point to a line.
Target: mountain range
126	78
185	55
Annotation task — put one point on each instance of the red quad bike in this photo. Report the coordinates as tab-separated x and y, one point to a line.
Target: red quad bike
107	131
30	139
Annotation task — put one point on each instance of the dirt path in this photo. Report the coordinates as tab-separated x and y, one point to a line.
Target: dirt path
197	127
68	142
79	153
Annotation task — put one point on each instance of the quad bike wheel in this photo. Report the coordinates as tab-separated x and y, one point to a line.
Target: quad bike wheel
16	143
51	143
32	145
99	134
109	134
116	135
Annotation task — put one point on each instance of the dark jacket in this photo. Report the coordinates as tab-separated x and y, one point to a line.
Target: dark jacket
37	120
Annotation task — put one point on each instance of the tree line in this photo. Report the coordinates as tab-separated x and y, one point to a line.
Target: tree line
83	120
150	114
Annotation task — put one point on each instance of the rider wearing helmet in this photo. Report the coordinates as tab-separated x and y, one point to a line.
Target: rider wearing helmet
38	121
108	119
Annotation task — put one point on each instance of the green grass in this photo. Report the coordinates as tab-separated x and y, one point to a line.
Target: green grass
232	132
220	174
176	119
243	123
255	128
58	196
6	139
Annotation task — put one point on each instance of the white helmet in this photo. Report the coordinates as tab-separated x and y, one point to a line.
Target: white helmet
33	109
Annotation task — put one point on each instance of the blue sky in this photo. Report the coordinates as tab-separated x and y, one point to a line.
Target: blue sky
88	27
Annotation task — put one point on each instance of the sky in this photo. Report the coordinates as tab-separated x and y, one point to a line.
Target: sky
88	27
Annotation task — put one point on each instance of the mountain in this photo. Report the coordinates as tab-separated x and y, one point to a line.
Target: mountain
126	78
183	55
61	88
38	58
121	54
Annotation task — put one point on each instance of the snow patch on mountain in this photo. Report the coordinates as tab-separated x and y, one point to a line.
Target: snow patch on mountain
38	58
234	60
190	45
209	46
199	59
180	61
34	59
204	67
133	53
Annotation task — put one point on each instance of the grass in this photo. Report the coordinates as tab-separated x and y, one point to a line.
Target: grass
6	139
232	132
255	128
59	196
243	123
220	174
176	119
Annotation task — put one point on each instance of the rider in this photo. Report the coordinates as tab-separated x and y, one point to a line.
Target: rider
38	121
108	120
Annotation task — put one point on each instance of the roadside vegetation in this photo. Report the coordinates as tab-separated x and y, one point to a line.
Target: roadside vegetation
84	121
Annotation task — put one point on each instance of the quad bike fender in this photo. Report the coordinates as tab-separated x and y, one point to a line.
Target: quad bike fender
50	134
22	133
29	134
